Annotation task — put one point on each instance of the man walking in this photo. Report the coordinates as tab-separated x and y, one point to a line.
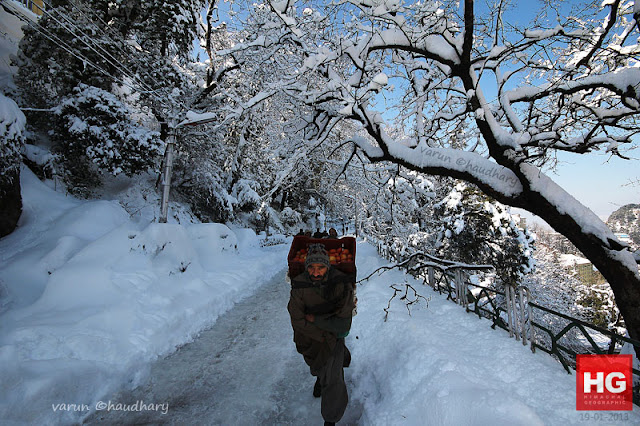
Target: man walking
320	307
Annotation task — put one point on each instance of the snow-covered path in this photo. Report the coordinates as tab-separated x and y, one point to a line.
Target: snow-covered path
242	371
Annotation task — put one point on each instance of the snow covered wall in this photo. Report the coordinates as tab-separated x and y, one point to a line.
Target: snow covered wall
90	296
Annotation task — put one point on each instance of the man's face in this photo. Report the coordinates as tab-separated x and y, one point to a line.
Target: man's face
317	271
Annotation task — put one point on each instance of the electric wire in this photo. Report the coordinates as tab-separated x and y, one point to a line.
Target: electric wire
56	40
135	84
104	28
111	60
109	32
114	61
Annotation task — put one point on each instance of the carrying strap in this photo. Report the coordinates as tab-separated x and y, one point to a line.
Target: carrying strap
323	308
301	284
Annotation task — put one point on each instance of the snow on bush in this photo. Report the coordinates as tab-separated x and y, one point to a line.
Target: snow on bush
290	218
246	195
12	122
95	128
477	230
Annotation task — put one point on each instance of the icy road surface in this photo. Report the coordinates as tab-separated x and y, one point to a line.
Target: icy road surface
242	371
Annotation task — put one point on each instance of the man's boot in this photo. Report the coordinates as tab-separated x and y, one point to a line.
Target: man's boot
317	388
347	358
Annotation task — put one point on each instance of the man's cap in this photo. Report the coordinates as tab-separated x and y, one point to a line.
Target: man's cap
317	254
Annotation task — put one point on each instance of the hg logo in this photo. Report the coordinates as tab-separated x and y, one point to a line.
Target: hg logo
604	382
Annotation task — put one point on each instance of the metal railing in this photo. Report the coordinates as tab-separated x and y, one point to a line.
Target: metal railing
484	302
517	314
566	352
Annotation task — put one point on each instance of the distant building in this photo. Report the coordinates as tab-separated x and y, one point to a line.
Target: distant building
35	6
587	273
623	237
520	221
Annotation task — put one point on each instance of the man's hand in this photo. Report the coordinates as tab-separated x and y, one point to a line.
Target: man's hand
309	317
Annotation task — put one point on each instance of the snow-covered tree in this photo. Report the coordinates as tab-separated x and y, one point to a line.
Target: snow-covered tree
12	123
291	219
94	133
137	51
477	230
64	47
251	129
488	104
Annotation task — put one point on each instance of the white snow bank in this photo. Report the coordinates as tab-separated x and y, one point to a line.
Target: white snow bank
444	366
94	296
12	120
569	260
123	292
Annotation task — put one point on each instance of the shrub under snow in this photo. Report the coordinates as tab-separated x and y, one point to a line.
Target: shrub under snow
95	131
12	122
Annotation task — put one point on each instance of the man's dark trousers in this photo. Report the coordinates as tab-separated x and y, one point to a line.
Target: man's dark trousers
334	390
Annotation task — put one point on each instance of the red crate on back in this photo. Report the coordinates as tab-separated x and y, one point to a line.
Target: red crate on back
303	242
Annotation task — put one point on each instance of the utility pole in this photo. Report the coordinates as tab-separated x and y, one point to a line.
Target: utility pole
355	203
166	175
172	135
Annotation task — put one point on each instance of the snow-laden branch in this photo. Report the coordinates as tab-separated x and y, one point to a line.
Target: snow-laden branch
566	204
437	58
471	165
624	81
432	46
597	42
194	118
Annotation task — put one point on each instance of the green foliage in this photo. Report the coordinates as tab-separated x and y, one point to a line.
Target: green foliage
12	123
62	50
477	230
94	133
599	306
116	47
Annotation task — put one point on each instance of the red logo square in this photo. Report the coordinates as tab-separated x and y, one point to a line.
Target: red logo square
604	382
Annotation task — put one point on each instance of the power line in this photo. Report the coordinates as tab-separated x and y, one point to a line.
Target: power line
111	39
110	33
110	36
136	84
56	40
111	60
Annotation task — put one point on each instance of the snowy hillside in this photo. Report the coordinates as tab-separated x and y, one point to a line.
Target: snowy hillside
626	220
92	298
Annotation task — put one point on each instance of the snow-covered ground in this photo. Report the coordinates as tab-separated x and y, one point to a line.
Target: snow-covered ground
90	296
93	299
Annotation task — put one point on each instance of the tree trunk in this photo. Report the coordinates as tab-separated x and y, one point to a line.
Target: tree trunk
11	202
616	264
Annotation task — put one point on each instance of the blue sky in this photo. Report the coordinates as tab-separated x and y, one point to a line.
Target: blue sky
598	181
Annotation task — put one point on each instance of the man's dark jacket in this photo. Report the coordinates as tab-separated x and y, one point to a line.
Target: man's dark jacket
331	302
